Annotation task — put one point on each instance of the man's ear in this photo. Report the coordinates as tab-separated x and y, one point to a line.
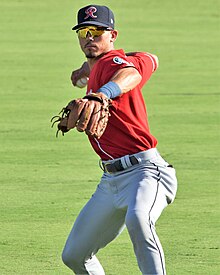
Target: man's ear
114	35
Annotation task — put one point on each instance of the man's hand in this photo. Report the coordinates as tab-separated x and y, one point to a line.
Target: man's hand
82	72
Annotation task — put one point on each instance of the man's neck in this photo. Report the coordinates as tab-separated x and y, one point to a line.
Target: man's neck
92	61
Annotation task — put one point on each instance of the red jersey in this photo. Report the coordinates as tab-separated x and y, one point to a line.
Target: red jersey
127	131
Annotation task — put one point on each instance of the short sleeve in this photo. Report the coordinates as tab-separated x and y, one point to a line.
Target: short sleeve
145	63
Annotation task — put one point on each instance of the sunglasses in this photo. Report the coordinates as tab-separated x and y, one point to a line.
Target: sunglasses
93	31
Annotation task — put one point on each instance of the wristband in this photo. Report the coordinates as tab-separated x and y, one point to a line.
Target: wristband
110	89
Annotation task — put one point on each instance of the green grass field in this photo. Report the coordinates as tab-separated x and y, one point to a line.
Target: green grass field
44	181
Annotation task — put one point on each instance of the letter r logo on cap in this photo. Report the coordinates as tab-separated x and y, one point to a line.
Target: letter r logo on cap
90	12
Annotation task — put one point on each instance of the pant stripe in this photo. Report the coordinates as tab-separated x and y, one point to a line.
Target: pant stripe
151	227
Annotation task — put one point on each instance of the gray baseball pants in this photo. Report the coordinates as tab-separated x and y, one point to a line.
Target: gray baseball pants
134	198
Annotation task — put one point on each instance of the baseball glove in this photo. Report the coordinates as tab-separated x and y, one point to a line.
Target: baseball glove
89	114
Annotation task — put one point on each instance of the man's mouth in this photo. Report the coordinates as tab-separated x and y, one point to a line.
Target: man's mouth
90	46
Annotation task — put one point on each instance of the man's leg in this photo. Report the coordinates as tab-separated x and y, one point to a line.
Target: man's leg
97	224
145	206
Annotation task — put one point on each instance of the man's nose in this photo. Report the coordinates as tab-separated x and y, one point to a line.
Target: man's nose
89	36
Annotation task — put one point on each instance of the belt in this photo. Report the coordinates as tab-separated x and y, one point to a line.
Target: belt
120	164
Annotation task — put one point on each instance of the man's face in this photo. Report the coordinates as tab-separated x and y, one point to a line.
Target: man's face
94	46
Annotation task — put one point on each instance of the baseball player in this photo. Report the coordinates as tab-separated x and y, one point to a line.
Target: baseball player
137	183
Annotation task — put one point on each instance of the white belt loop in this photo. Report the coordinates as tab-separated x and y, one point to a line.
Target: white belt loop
125	161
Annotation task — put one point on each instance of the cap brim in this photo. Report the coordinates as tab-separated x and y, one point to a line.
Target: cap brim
90	23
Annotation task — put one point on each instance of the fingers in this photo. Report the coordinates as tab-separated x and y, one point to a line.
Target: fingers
103	120
75	76
85	116
76	107
92	126
84	71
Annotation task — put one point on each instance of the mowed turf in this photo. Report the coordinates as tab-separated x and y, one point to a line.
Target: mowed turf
45	181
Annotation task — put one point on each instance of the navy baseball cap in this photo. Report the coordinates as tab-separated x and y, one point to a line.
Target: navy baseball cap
95	15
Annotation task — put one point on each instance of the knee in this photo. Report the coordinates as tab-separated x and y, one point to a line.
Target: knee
67	258
140	229
71	259
137	221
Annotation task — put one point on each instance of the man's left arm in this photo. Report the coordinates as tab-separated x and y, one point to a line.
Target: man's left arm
124	80
127	79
